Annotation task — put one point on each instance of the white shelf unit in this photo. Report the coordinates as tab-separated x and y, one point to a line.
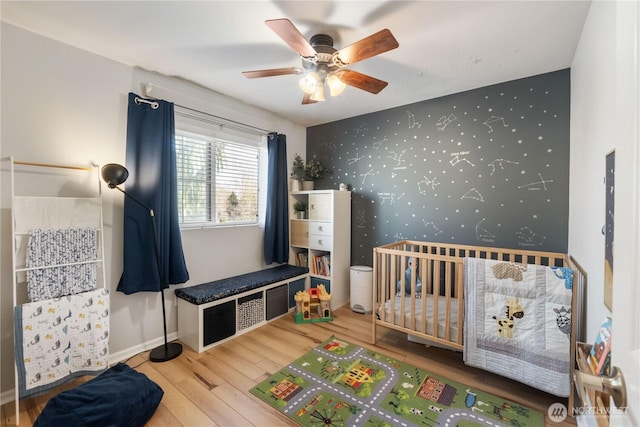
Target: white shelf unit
204	326
64	197
324	232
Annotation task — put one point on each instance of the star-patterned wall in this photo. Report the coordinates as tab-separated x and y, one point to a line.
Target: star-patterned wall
486	167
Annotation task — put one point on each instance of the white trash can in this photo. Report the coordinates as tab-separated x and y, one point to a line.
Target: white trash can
361	298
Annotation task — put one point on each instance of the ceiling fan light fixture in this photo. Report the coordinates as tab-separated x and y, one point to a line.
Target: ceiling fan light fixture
336	86
323	63
309	82
318	94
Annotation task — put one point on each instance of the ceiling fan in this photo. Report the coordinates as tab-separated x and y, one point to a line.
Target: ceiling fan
322	63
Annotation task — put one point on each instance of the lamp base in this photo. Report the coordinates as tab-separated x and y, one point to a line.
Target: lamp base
164	353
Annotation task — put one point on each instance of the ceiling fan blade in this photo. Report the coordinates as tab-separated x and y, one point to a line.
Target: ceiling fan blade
375	44
361	81
306	99
290	34
271	72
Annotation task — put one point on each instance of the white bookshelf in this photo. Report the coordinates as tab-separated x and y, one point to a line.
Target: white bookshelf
324	232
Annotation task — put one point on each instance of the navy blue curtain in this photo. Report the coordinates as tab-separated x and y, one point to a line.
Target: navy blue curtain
151	161
276	229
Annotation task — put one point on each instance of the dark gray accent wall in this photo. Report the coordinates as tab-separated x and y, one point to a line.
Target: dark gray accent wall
486	167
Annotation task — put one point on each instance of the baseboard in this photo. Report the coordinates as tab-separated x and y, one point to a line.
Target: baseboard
123	355
9	395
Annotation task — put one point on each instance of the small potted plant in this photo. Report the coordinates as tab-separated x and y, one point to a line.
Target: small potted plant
297	173
300	208
313	171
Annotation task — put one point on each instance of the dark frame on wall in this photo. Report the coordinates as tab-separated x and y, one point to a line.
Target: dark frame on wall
608	228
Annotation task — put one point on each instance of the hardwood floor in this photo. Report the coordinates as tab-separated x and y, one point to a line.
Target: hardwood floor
212	388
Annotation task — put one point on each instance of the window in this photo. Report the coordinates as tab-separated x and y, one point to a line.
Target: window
218	177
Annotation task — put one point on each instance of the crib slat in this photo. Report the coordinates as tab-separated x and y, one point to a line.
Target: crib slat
413	261
427	286
437	274
392	313
447	299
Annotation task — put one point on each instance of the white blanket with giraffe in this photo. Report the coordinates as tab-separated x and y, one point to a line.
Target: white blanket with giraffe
518	322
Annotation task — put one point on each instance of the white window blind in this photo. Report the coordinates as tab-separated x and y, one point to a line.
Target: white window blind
218	179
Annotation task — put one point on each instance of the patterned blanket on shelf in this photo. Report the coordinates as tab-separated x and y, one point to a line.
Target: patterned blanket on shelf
62	338
518	322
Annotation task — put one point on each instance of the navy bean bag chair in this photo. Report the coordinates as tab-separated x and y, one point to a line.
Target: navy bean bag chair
120	396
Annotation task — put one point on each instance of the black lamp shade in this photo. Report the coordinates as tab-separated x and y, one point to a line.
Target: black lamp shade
114	174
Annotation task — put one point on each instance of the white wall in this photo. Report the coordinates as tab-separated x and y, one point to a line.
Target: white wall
593	124
603	118
67	106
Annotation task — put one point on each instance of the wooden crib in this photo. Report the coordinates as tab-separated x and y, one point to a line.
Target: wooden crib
418	288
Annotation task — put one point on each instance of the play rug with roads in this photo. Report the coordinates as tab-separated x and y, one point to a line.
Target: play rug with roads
342	384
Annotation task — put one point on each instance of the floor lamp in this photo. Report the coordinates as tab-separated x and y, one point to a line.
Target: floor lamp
114	174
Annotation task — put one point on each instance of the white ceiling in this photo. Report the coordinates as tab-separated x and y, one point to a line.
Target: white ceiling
445	46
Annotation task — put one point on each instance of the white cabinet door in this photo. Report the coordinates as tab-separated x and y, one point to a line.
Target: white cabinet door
320	207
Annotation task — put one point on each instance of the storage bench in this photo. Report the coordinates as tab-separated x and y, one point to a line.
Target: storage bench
214	311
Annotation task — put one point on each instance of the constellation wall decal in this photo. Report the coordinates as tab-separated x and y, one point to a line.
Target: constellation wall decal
444	121
473	194
412	120
356	159
360	218
457	159
426	183
360	130
494	119
432	226
387	197
399	237
500	163
397	157
380	143
444	168
527	237
328	146
538	185
364	176
483	234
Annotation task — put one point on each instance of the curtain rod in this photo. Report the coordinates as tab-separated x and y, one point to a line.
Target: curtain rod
227	122
147	88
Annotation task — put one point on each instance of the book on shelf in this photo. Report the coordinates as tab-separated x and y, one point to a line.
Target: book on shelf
302	259
599	357
321	265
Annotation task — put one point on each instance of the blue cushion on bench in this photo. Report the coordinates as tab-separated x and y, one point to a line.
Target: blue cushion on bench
207	292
